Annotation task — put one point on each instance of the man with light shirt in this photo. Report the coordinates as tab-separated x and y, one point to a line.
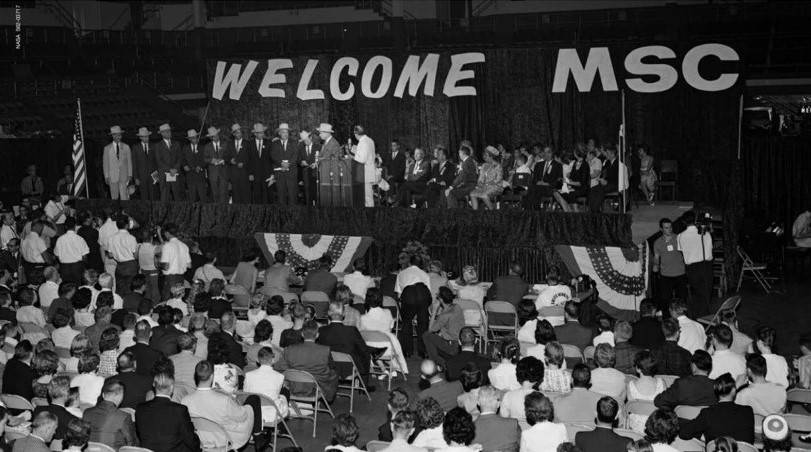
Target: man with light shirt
175	259
364	153
695	244
691	336
669	263
122	247
71	250
725	360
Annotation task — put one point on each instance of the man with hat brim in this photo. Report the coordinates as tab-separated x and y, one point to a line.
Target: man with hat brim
145	166
308	154
216	155
330	148
117	163
194	164
169	158
283	157
260	168
238	163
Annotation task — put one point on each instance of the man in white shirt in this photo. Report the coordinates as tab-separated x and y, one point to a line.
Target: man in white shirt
411	275
725	360
364	153
71	250
208	271
357	282
106	282
402	427
692	336
8	230
107	229
32	248
269	383
175	259
764	397
696	247
49	290
122	247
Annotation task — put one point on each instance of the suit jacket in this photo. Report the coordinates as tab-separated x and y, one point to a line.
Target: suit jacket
331	149
626	352
672	359
145	358
346	339
601	439
136	386
144	164
423	172
444	392
455	364
224	153
396	166
302	152
321	280
611	173
17	379
443	173
511	288
497	434
259	165
289	153
195	161
164	339
315	359
237	156
62	418
553	177
648	333
110	426
724	418
693	390
165	426
572	332
117	167
10	262
235	355
466	176
167	157
30	444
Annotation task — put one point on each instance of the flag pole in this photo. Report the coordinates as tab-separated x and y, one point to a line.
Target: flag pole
81	132
623	133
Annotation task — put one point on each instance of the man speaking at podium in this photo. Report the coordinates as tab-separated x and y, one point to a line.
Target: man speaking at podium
364	153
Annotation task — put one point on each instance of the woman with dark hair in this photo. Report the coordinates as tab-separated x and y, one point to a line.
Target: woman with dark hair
458	430
471	379
44	364
529	372
556	378
646	387
88	381
544	333
246	272
723	418
502	377
345	434
543	434
776	365
430	417
292	335
82	314
378	318
576	182
262	334
108	347
527	321
661	429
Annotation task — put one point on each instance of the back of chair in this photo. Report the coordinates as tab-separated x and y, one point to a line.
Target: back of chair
642	407
572	351
391	304
474	316
628	433
340	357
746	447
799	424
212	436
299	376
501	315
798	395
668	379
688	445
376	446
15	402
688	412
309	296
588	352
669	169
98	447
573	429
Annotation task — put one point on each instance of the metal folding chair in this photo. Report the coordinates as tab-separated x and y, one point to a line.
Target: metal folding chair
376	446
302	377
319	301
572	355
355	381
93	446
384	365
268	402
755	269
507	324
476	319
572	429
391	304
641	407
15	402
730	304
213	438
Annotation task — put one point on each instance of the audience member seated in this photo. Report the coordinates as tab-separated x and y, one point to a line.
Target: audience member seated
274	308
444	392
351	313
269	383
185	361
527	321
603	438
137	387
78	347
691	333
313	358
467	354
502	377
90	384
661	430
544	334
320	279
458	430
27	312
63	334
83	316
178	291
345	339
605	328
376	318
777	434
724	360
543	434
494	432
345	434
43	427
740	341
671	358
403	426
647	331
556	378
723	418
108	424
137	290
102	320
572	332
58	390
358	282
471	380
229	339
145	356
398	401
529	372
764	397
692	390
468	286
579	404
646	387
624	350
430	416
108	348
163	425
262	333
605	379
77	434
165	336
292	335
198	324
510	288
443	329
106	284
776	365
220	304
63	303
18	376
553	293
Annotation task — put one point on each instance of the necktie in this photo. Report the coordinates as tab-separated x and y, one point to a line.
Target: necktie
308	150
236	145
259	147
216	148
33	187
117	156
194	148
146	148
284	145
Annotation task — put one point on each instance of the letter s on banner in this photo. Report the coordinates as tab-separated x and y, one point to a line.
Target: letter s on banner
456	74
689	67
272	78
599	60
351	65
234	79
668	76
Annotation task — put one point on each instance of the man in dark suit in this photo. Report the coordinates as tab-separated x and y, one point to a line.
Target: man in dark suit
466	177
416	179
726	418
283	155
58	390
345	339
307	150
313	358
572	332
510	288
108	424
608	181
693	390
136	386
216	154
547	176
163	425
260	167
18	375
10	258
455	364
168	160
494	432
145	356
238	159
648	329
395	165
165	335
228	337
671	358
330	148
43	428
603	438
144	164
443	172
322	280
444	392
194	165
625	351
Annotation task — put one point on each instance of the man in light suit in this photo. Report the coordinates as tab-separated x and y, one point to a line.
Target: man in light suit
364	153
466	177
237	157
194	164
216	154
330	149
307	152
260	168
144	164
117	165
494	432
283	157
313	358
43	429
416	178
168	159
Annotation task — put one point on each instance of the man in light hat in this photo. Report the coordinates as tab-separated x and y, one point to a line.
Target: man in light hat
238	163
216	155
144	165
308	151
283	156
330	148
364	153
168	158
117	161
260	168
194	164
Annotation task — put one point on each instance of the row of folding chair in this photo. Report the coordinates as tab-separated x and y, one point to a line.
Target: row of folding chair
101	447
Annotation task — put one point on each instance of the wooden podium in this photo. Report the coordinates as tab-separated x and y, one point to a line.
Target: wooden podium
340	183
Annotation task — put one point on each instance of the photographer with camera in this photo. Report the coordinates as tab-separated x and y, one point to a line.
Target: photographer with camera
695	243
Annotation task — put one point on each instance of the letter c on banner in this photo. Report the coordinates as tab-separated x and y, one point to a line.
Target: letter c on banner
351	65
689	67
369	72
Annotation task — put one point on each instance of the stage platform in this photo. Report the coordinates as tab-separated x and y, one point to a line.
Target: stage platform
645	219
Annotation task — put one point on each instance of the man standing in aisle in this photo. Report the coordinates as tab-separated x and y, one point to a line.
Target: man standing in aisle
194	164
168	158
117	161
283	156
238	159
669	263
122	247
175	259
144	165
307	152
215	155
696	246
364	153
260	168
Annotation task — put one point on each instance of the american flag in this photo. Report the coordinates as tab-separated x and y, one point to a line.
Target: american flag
79	166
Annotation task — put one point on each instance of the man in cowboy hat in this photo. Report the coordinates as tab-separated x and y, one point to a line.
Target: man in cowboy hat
117	165
194	164
364	153
330	148
238	163
283	156
216	155
307	152
144	165
169	158
260	168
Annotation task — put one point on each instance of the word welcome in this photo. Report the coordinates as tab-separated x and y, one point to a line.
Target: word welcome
233	77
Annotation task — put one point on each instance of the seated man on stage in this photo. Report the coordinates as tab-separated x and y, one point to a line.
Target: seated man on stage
416	179
443	174
608	181
466	178
547	177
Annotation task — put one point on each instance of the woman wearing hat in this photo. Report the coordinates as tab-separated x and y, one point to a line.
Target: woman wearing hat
490	177
117	161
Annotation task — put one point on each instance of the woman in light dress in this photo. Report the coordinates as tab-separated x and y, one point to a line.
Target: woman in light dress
378	318
468	287
490	180
646	387
647	175
502	377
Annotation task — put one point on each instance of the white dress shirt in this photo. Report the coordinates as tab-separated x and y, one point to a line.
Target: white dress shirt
358	283
268	382
107	230
146	256
122	245
503	378
32	248
543	437
377	319
430	438
776	369
71	248
724	361
6	233
208	273
176	254
690	245
63	336
409	276
48	292
89	385
692	336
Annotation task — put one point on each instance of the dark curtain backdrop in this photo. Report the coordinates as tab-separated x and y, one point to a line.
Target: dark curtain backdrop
489	239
